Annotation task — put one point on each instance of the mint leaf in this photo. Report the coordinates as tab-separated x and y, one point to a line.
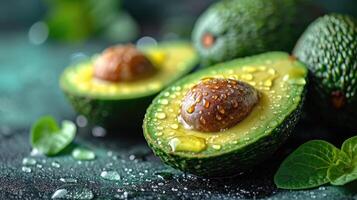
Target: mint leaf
345	170
350	148
307	166
48	138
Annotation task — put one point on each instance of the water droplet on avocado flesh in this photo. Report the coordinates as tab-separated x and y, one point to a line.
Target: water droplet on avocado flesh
187	143
279	83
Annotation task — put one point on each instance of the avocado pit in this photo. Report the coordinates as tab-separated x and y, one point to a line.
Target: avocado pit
215	104
122	63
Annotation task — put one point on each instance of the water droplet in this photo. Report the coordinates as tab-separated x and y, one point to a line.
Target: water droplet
166	94
174	126
110	175
55	164
161	115
83	154
268	83
217	146
206	103
36	152
286	78
132	157
247	77
158	133
164	101
26	169
68	180
59	194
81	121
124	195
160	128
98	131
38	33
262	68
29	161
187	143
191	109
72	191
221	109
271	71
249	69
164	175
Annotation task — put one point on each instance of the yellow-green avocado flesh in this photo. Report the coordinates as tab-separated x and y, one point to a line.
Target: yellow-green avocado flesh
281	81
123	104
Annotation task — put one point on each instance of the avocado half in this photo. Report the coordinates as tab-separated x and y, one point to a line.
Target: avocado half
281	81
123	104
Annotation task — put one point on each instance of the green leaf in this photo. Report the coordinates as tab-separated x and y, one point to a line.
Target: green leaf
345	169
307	166
350	148
48	138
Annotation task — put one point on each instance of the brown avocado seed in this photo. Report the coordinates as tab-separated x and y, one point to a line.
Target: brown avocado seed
122	63
217	104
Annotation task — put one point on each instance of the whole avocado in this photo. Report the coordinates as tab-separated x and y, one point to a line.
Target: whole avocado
238	28
329	49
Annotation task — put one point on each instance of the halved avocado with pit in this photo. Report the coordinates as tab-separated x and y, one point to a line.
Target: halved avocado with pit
253	106
122	104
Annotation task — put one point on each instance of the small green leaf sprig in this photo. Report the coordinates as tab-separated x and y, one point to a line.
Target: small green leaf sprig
318	162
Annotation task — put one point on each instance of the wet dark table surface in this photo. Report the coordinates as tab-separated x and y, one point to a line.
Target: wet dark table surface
29	89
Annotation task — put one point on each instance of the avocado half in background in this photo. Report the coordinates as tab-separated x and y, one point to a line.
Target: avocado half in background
329	49
223	120
237	28
118	94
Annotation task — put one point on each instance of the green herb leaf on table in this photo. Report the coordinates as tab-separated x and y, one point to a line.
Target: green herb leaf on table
350	148
345	170
49	138
307	166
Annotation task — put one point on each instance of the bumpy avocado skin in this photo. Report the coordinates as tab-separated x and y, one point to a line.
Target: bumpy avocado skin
241	159
246	27
329	49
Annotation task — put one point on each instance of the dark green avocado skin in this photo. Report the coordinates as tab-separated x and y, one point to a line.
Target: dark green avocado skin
329	49
111	114
246	27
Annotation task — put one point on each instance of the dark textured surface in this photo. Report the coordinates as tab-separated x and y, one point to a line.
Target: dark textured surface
29	89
